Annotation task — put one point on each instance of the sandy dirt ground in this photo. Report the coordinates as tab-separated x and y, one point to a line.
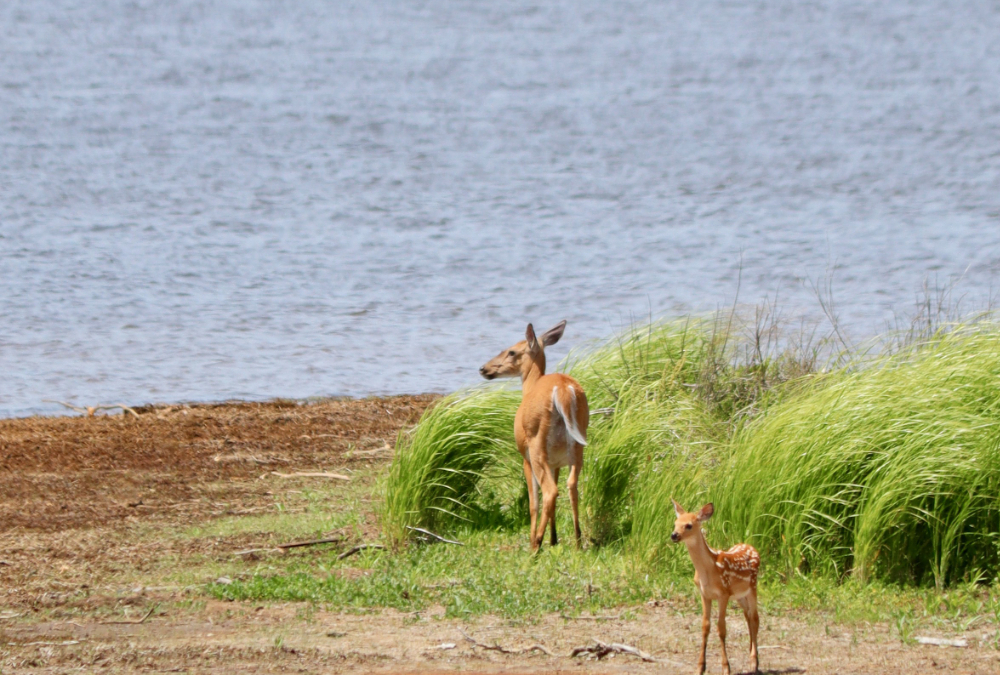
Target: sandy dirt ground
87	505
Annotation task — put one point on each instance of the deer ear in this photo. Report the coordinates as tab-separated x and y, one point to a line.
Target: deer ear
706	512
678	509
529	335
552	335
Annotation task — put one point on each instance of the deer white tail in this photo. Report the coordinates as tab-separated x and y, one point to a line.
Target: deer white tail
570	419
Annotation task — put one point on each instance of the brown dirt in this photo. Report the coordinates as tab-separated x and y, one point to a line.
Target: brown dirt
59	473
89	503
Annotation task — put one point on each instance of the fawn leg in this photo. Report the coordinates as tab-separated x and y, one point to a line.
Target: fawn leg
749	605
723	604
706	625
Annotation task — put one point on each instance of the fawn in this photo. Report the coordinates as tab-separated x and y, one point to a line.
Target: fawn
550	426
720	575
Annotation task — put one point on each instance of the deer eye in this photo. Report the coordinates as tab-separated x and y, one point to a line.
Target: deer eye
688	526
512	353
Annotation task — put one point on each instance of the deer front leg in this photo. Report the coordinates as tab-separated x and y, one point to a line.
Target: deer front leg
706	626
532	498
723	605
574	499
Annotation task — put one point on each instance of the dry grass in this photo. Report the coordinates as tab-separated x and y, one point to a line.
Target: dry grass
62	472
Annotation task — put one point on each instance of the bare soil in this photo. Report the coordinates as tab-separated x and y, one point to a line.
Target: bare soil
88	505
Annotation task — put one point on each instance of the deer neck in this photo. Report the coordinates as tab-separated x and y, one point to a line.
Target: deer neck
532	372
701	555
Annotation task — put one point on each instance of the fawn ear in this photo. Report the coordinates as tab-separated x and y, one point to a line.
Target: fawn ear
529	335
706	512
678	509
552	335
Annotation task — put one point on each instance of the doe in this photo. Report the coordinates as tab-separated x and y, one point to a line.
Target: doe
720	575
550	426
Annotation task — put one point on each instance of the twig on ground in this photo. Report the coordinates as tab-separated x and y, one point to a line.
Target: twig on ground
56	644
360	547
435	536
297	544
591	618
91	409
600	649
504	650
276	549
136	621
311	474
942	642
603	411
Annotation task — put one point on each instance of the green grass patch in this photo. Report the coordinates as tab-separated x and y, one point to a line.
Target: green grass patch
889	472
886	467
493	573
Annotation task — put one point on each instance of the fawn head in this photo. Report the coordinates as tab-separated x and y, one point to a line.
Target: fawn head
689	524
517	359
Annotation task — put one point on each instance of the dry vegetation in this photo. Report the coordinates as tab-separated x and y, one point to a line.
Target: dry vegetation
112	525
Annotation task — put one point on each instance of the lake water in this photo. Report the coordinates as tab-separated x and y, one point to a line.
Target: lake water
253	199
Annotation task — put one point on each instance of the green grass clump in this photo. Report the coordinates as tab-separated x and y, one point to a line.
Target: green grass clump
892	471
455	466
658	434
886	468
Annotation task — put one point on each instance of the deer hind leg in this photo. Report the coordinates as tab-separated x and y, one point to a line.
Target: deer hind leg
554	539
574	499
749	605
529	477
549	493
723	604
706	626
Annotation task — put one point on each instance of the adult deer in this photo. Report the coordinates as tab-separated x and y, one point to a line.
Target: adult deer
720	575
550	426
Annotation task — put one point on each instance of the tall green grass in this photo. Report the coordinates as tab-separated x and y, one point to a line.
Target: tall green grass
457	466
891	471
650	422
886	467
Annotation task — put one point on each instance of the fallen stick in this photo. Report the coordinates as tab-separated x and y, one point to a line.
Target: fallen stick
360	547
601	649
311	474
248	551
135	621
942	642
591	618
57	644
297	544
436	536
91	409
504	650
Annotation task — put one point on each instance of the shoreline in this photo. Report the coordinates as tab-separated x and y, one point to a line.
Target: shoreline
68	409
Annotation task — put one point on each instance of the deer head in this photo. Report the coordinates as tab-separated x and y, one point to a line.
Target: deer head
689	524
517	360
